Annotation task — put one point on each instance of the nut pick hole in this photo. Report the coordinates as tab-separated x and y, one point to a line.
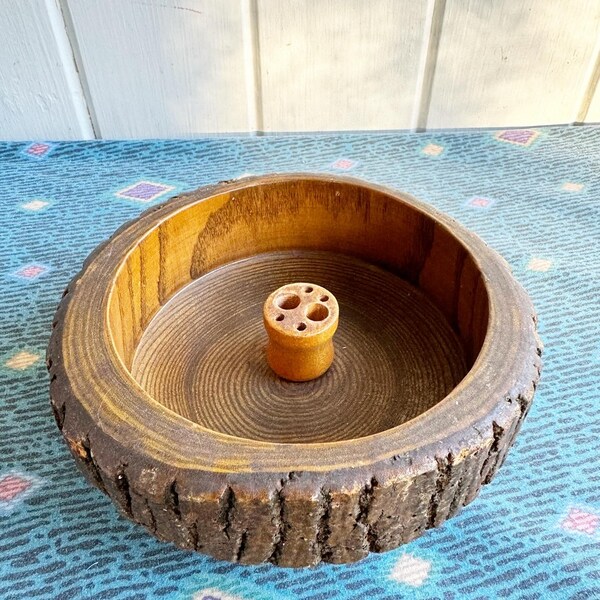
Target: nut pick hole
317	312
287	301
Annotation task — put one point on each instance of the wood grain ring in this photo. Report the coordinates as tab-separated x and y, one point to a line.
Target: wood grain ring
290	503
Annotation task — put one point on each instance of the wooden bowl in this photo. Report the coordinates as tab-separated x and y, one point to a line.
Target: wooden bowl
160	386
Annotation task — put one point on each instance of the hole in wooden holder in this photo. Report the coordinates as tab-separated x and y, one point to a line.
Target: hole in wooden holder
287	301
317	312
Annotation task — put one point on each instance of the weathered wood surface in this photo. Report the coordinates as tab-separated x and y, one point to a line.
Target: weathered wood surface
292	503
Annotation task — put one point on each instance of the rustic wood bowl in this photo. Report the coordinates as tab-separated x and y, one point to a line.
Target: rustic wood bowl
160	386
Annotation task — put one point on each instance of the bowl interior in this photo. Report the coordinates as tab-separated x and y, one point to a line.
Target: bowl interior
185	310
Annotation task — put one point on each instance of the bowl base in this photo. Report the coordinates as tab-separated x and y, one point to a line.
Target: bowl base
203	354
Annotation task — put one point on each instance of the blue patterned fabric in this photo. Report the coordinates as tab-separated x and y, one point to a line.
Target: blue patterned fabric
534	532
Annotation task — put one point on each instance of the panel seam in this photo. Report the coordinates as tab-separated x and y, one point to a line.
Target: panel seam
252	66
64	34
434	18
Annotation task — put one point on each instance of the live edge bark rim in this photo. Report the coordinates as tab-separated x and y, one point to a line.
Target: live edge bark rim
252	501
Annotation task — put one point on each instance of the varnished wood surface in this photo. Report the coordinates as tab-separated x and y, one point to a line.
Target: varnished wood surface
203	355
300	320
299	502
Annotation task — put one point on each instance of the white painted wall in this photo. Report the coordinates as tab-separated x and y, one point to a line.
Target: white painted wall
164	68
512	62
339	65
40	91
178	68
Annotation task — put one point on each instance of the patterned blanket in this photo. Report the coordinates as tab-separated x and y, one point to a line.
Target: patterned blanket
534	532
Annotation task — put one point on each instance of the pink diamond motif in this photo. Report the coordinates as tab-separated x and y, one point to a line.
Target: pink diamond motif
520	137
344	164
581	521
12	486
31	271
478	202
144	191
38	148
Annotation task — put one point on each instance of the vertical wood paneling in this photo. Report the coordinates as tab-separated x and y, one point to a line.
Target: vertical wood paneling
163	69
506	63
40	96
181	68
331	65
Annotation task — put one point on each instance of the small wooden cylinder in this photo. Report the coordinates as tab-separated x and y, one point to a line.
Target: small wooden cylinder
300	319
